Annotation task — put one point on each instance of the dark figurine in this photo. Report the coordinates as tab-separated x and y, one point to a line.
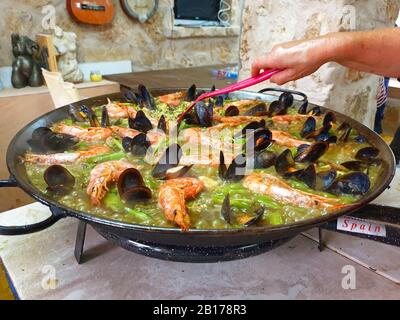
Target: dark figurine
26	68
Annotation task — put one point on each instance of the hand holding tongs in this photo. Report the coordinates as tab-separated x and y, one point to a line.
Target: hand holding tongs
266	75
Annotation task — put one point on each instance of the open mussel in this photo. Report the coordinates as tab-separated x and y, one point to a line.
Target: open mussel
285	164
226	213
90	116
309	127
140	123
303	107
258	140
236	170
105	119
58	179
250	127
368	155
44	140
138	145
260	109
286	99
316	111
170	159
313	152
162	124
320	181
147	99
204	114
264	159
355	165
191	93
131	186
127	96
277	109
329	118
232	111
219	101
355	183
346	129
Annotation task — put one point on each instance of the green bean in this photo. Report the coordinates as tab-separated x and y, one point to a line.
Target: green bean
118	144
274	219
267	202
139	214
106	157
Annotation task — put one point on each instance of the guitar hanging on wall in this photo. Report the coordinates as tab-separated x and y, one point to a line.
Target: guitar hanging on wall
97	12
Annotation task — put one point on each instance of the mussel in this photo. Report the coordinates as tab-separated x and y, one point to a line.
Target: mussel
276	108
316	111
226	213
226	210
131	186
257	110
320	181
252	126
105	119
325	136
231	111
313	152
128	96
58	179
329	119
236	171
309	127
204	114
170	159
147	99
264	159
258	215
285	164
286	99
191	93
90	115
346	129
368	155
138	145
355	183
303	107
219	101
162	124
355	165
140	123
258	140
395	145
44	140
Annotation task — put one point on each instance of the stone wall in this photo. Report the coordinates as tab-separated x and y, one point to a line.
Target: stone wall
269	22
155	44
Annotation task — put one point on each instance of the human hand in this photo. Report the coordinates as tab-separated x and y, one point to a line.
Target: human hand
296	59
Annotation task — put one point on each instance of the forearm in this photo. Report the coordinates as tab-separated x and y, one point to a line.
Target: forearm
376	51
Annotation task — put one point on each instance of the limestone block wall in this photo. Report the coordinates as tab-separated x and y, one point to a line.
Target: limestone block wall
156	44
269	22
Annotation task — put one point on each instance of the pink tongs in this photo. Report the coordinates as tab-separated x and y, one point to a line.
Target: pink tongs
234	87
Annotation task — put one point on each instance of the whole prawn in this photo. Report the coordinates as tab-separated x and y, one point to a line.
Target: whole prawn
173	195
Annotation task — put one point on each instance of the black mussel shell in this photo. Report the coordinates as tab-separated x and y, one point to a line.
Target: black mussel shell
90	115
325	179
308	176
170	159
258	140
346	129
46	141
252	126
141	122
237	170
58	179
219	101
286	99
213	88
38	133
325	136
258	110
128	96
302	148
277	109
323	131
191	118
395	145
367	154
162	124
226	211
259	214
140	144
355	165
355	183
127	144
316	111
191	93
285	163
204	114
313	152
222	166
177	172
129	179
264	160
147	98
303	108
105	119
309	127
361	139
136	194
232	111
75	114
329	119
